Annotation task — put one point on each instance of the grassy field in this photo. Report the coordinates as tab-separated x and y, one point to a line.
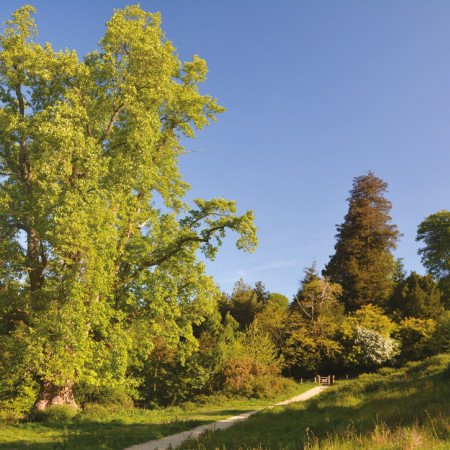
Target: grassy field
100	428
394	408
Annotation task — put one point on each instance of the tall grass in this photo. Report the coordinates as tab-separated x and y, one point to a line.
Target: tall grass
393	408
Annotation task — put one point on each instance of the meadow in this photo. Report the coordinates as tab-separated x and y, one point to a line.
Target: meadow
103	427
398	408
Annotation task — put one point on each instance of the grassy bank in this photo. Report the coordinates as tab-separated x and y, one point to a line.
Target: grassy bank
107	428
394	408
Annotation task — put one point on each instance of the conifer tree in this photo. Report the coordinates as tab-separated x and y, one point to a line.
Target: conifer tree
417	296
363	263
243	304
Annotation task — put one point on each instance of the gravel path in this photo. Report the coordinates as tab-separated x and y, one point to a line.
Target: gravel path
176	439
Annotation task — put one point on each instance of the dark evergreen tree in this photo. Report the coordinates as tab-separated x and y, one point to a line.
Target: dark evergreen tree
399	274
363	263
418	297
243	304
262	294
309	274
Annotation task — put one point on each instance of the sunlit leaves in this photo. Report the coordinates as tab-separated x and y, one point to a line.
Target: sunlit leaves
99	248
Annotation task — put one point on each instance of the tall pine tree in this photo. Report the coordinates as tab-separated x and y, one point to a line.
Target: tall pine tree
363	263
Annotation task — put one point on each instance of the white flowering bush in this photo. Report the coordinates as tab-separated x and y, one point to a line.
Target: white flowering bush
376	348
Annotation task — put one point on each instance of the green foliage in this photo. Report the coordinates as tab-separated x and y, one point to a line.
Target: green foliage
399	273
56	413
89	155
315	317
363	264
417	296
178	373
18	392
434	231
273	321
366	338
442	334
251	356
249	378
416	337
98	426
318	298
171	374
255	343
371	317
102	395
262	294
423	337
242	305
393	408
279	299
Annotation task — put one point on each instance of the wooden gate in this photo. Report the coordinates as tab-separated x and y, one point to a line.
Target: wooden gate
325	381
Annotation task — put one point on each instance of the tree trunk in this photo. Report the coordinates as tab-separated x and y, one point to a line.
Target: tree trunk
51	395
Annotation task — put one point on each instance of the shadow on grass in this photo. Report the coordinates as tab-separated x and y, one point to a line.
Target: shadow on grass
306	424
229	412
89	435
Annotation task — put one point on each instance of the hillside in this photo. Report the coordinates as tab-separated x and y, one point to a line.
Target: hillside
394	408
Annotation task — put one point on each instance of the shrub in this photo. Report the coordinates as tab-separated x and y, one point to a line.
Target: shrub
17	394
249	378
376	348
103	395
56	413
97	412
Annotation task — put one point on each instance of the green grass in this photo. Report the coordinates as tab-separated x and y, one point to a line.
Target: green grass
117	429
394	408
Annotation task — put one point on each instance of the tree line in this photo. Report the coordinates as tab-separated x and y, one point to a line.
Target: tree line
101	290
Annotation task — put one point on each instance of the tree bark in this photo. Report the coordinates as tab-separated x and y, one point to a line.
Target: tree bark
51	395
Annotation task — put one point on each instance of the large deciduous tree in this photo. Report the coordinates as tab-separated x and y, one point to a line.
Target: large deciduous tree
434	231
363	263
314	320
98	249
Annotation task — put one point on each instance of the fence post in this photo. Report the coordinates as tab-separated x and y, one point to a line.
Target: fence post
301	380
333	379
346	376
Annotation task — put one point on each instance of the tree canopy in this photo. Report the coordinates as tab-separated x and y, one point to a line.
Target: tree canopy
434	232
98	248
417	296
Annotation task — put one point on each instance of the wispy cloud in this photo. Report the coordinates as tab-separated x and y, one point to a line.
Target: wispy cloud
250	272
275	265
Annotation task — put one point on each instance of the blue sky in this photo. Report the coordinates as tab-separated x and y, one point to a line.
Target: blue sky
316	93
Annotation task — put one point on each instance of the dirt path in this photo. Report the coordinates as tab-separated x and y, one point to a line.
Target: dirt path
177	439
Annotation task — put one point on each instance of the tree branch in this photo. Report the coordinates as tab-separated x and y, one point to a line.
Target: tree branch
111	122
177	248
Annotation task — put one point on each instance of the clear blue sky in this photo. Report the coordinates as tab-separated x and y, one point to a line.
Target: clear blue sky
317	93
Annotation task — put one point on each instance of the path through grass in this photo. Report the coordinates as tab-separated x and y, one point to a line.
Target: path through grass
395	408
120	429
